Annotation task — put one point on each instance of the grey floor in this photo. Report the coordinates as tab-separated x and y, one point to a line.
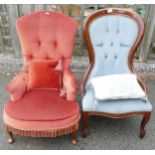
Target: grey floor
104	133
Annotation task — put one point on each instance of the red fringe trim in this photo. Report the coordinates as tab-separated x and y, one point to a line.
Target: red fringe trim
44	133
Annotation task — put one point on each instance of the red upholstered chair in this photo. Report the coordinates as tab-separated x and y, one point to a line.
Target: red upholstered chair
44	112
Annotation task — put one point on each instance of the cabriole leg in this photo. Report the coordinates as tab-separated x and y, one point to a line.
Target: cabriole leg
85	119
74	137
10	137
146	118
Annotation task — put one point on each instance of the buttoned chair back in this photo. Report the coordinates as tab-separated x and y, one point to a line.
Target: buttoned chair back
112	38
43	35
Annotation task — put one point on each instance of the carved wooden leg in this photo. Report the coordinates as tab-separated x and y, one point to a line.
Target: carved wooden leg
146	118
10	139
74	137
85	119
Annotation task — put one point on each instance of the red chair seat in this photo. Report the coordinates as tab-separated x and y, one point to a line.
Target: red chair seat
41	105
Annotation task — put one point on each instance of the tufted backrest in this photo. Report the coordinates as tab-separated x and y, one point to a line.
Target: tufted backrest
46	35
112	37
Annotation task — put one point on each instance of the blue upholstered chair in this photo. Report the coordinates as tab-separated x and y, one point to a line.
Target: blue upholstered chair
112	37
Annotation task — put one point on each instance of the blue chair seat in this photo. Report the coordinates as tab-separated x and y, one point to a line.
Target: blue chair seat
89	103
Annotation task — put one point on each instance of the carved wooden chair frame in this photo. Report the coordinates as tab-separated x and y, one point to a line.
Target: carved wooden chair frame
140	22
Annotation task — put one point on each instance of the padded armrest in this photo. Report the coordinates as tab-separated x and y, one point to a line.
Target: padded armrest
69	85
18	85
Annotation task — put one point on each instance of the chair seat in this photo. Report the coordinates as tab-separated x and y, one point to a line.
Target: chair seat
41	105
114	107
25	125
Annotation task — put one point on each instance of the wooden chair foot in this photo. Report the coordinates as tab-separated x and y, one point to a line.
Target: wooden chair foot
74	142
84	135
85	118
74	138
146	118
10	137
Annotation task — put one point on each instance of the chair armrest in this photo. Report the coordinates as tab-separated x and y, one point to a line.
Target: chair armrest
69	85
18	85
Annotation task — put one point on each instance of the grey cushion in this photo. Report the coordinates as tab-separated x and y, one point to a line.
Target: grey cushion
89	103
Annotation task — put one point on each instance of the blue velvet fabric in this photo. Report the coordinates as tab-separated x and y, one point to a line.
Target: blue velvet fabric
112	37
89	103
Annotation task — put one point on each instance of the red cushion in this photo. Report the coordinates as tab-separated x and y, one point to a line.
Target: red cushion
43	75
41	105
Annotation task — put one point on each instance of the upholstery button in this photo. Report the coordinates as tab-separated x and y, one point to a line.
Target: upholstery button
54	43
121	44
115	56
111	44
105	56
47	57
107	30
30	56
117	31
100	44
39	43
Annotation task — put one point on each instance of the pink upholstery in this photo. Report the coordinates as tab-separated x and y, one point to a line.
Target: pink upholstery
41	105
18	85
46	35
42	74
47	40
40	125
69	81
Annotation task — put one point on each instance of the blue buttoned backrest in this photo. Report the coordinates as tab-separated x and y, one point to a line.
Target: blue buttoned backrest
112	37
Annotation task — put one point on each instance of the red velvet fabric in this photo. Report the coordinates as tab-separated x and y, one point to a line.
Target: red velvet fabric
46	35
41	105
40	125
42	74
18	85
